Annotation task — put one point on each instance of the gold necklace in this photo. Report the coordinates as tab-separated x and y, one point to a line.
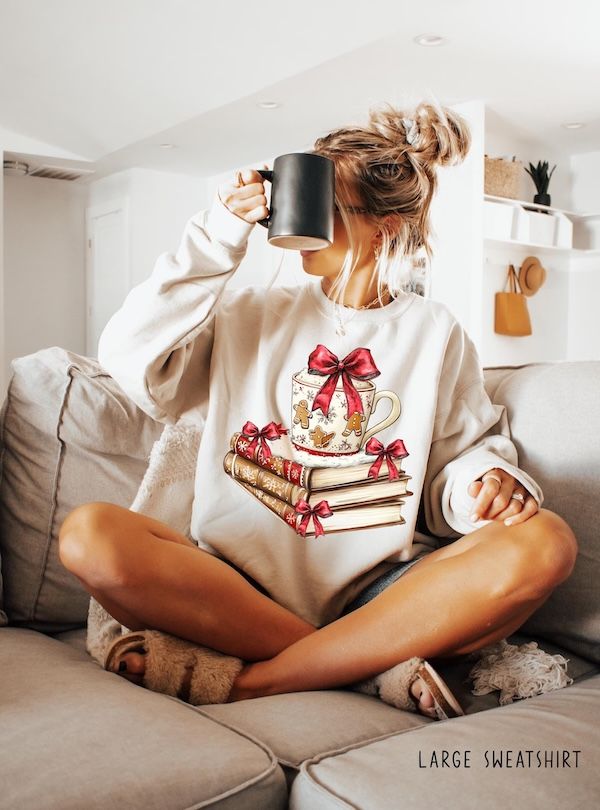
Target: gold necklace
340	331
374	301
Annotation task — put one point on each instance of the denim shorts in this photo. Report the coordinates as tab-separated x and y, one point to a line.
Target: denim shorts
370	592
381	583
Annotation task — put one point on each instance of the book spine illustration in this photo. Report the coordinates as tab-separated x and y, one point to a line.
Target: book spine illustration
251	473
284	510
283	467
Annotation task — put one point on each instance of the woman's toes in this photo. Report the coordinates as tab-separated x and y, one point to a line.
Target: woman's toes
132	666
421	692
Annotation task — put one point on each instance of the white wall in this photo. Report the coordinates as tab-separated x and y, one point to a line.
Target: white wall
44	270
160	203
584	280
456	222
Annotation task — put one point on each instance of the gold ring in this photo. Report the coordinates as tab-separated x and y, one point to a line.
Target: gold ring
238	178
518	497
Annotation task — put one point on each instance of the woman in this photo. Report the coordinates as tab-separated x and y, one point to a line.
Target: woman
256	606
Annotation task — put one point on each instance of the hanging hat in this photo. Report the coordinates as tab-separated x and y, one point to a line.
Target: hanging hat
531	275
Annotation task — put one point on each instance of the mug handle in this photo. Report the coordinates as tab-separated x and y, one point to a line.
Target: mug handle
266	174
390	418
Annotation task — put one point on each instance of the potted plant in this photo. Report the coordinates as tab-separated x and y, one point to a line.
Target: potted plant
541	178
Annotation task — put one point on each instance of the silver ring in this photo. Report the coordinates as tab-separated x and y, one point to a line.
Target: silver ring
518	497
491	475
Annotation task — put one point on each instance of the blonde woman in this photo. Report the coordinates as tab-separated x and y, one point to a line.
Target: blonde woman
248	606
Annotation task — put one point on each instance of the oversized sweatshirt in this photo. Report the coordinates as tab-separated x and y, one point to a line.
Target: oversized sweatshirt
184	347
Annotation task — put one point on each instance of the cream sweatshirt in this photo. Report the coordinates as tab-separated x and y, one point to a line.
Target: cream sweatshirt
185	348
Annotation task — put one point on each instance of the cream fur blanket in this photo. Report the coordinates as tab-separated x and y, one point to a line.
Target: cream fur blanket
166	493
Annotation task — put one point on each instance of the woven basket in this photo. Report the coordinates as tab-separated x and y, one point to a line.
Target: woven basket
502	178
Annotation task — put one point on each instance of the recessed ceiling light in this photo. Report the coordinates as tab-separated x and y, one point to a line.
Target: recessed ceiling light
268	105
574	125
167	145
430	40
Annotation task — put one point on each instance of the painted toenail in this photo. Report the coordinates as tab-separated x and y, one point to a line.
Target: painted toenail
123	666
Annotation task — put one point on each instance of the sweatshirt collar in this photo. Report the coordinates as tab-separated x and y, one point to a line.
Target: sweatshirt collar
349	315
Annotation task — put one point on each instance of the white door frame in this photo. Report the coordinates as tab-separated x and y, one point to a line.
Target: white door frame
91	213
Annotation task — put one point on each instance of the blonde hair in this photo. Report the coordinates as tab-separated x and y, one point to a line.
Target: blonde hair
396	182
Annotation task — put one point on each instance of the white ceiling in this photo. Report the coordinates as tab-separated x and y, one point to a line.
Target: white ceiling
109	81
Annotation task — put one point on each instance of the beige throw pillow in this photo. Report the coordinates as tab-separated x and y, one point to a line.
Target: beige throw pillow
70	435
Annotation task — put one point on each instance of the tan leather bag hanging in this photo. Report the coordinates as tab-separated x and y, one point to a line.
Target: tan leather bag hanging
511	315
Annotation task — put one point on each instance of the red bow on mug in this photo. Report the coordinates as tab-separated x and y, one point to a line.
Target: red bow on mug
359	364
394	450
319	510
271	432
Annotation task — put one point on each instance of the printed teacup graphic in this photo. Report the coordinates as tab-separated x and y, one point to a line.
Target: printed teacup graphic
333	401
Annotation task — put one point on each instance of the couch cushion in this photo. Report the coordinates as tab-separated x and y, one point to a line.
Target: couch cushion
554	418
70	436
325	721
392	773
118	745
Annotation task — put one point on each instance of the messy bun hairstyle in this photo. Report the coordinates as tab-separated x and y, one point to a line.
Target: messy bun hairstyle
393	164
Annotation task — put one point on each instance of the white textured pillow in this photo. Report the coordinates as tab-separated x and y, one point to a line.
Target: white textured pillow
70	435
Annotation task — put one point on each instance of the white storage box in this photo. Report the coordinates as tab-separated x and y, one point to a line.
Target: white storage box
497	220
542	228
563	236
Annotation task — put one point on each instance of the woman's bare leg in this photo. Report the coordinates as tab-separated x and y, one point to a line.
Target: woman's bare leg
149	576
447	604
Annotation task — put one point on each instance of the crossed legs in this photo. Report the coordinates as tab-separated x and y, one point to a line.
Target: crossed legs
475	591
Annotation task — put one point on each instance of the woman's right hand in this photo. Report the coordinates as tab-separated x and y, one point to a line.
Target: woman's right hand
249	201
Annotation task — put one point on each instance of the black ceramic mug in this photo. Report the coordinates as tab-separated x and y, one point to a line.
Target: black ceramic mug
302	201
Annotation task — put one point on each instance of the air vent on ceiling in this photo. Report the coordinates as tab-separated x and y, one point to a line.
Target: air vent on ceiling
15	168
59	172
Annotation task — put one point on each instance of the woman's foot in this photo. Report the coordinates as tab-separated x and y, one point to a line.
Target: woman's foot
132	665
420	691
174	666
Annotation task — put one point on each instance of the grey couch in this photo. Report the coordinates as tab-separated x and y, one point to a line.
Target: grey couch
75	736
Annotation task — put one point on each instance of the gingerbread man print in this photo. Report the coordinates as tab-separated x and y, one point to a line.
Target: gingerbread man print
354	424
302	414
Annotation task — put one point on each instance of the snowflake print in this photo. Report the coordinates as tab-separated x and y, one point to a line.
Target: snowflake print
243	444
301	439
296	389
345	445
310	396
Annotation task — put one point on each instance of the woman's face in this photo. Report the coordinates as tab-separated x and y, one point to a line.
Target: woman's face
327	262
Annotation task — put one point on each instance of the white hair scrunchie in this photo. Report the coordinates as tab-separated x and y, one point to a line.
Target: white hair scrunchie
412	130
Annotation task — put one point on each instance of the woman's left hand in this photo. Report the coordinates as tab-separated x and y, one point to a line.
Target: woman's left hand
495	501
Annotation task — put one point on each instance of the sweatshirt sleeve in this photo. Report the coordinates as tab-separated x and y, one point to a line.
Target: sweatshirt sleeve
470	436
158	345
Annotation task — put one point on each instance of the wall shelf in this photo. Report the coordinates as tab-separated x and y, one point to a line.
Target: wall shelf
538	207
549	250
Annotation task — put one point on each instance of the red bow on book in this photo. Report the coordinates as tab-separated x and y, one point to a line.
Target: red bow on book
319	510
394	450
272	431
359	364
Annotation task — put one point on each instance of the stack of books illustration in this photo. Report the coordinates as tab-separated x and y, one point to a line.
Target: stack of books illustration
319	500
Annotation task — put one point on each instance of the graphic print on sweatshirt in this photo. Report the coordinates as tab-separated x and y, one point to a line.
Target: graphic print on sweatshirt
333	402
